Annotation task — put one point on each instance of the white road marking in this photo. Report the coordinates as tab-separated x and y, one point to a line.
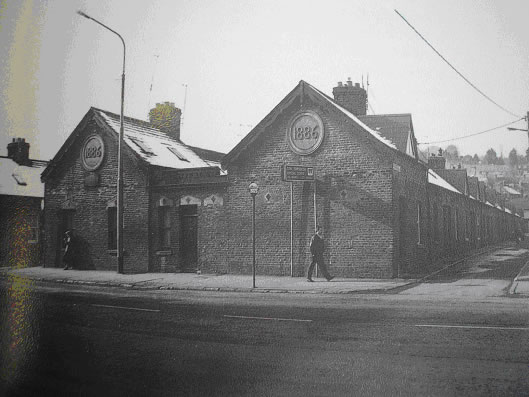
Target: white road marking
128	308
269	318
472	327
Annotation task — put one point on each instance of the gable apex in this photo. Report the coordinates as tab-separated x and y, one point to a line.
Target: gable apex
301	90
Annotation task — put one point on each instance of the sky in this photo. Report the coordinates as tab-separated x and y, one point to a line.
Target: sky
228	63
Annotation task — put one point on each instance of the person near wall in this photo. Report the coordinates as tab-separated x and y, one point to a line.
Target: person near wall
69	250
317	247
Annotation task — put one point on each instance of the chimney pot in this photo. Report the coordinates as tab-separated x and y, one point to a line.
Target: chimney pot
18	150
357	85
437	162
354	99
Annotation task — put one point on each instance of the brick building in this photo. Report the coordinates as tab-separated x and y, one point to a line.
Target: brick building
21	199
167	186
383	210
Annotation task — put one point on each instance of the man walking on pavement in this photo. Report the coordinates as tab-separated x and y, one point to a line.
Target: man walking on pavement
316	249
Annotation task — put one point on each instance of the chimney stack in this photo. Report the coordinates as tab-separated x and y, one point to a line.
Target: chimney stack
437	162
351	97
166	117
18	150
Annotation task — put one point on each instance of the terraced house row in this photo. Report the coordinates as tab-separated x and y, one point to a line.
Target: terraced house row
317	160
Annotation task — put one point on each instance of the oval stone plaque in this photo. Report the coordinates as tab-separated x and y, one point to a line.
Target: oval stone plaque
93	152
305	133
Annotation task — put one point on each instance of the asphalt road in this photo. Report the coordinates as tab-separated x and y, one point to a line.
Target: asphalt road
95	341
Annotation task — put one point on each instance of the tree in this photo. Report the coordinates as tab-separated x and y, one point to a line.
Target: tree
491	157
475	159
513	158
467	159
451	152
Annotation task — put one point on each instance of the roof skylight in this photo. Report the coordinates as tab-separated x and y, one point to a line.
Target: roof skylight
142	145
19	179
177	153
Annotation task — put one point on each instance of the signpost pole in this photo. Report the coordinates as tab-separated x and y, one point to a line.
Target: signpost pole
254	188
291	229
291	173
315	216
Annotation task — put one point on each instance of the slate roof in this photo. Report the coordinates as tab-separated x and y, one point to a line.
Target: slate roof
156	147
148	143
435	179
21	180
457	178
397	128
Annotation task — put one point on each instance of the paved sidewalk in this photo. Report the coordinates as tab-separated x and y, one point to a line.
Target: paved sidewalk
520	285
204	282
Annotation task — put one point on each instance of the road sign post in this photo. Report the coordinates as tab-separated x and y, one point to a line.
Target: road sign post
254	189
293	173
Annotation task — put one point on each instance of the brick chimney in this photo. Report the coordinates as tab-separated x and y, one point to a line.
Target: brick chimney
18	150
166	117
437	162
351	97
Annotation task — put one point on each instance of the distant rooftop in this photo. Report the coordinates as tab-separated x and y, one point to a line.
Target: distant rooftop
21	180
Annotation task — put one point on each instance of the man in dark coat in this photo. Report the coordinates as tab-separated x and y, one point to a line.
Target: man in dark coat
69	250
316	249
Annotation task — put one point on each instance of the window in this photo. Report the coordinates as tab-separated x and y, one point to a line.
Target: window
164	226
419	217
20	180
403	226
145	149
456	224
34	229
435	221
467	226
447	225
112	228
177	153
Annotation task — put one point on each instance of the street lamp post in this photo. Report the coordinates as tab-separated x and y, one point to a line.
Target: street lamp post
120	151
254	188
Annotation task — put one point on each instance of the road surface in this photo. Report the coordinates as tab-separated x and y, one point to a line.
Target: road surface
71	340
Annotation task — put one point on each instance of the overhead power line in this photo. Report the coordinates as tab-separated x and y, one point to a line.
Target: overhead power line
455	70
477	133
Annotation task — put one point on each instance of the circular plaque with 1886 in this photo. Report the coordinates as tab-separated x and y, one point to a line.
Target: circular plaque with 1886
305	133
92	152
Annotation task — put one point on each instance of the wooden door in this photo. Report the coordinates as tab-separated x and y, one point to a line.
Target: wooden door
189	238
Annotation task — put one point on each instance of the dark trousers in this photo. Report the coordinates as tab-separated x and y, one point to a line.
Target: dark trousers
318	259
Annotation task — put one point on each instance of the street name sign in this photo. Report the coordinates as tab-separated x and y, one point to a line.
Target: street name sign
291	173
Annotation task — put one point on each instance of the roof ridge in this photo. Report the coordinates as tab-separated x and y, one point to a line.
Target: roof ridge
349	114
127	118
140	123
393	114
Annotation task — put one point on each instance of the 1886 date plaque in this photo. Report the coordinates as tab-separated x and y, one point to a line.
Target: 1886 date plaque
93	152
305	133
